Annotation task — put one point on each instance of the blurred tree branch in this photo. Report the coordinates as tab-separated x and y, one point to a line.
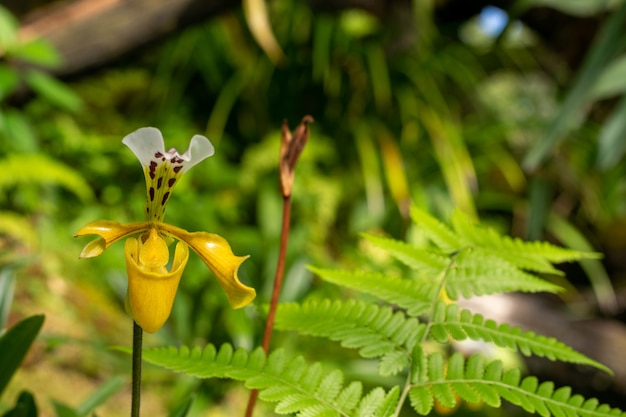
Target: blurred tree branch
92	33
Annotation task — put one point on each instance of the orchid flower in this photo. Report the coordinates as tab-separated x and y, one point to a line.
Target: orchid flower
151	286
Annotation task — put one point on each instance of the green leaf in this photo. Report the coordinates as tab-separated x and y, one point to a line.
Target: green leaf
388	407
575	7
439	233
7	287
565	232
609	40
14	344
8	29
18	131
612	137
8	81
477	379
54	91
38	52
25	406
19	227
183	409
423	260
100	395
476	273
476	327
63	410
376	331
533	256
419	365
358	23
393	363
282	378
413	295
371	403
421	399
42	170
612	81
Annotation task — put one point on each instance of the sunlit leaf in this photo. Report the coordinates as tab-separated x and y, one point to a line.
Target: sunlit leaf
54	91
38	52
8	29
18	131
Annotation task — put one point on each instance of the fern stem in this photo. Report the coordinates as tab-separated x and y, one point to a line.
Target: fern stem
437	295
440	287
278	282
136	370
403	395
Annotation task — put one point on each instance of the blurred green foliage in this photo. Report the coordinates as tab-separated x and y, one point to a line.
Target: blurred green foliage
404	113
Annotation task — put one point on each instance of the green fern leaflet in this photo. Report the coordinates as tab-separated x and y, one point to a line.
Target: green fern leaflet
475	380
448	321
378	332
296	387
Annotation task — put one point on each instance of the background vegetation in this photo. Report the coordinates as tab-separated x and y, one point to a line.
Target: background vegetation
469	114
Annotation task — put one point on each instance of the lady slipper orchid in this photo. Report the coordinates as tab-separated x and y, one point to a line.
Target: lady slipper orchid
151	285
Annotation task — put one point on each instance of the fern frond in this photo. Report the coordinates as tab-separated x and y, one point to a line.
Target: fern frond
411	295
476	380
423	260
296	387
450	321
437	232
378	332
479	274
534	256
18	227
42	170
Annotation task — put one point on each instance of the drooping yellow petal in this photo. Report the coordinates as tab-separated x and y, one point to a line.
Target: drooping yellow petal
216	253
93	248
151	294
109	232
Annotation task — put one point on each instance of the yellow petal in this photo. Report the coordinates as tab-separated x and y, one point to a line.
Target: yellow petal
151	294
93	248
153	253
216	253
110	232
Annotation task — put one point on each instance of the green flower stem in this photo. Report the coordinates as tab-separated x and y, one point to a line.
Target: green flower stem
278	282
136	378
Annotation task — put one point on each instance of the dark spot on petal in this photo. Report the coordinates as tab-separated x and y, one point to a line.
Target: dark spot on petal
165	196
158	155
178	168
159	182
163	159
170	182
153	165
151	191
152	175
